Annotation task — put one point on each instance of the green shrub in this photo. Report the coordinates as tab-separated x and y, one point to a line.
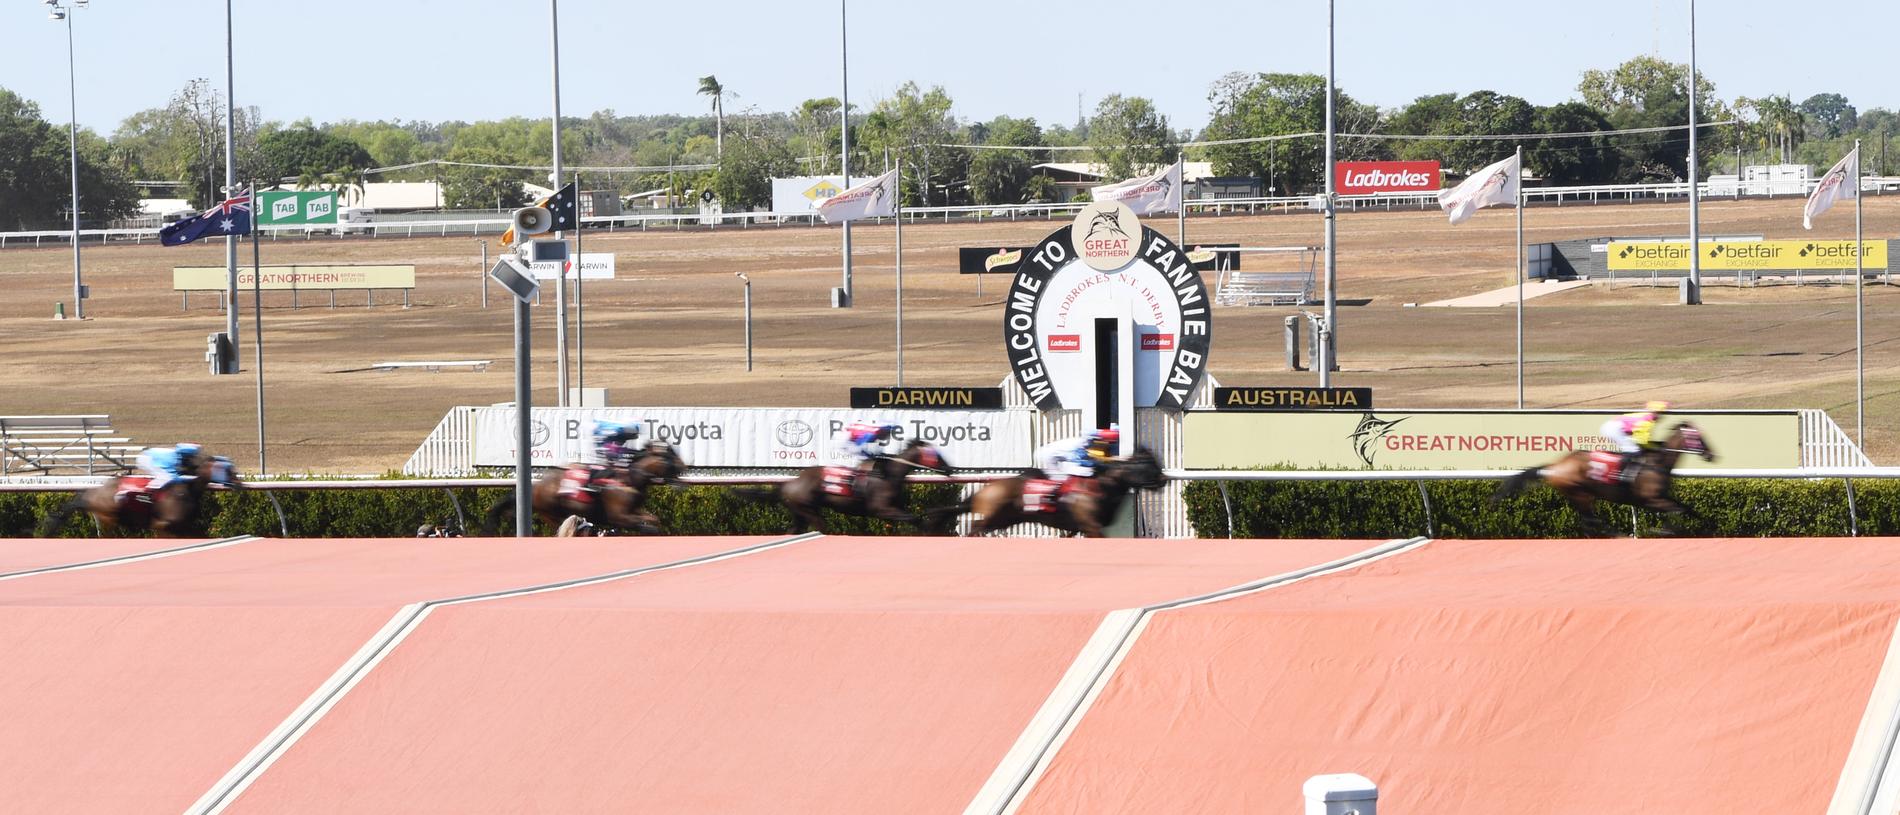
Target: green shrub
397	512
1463	509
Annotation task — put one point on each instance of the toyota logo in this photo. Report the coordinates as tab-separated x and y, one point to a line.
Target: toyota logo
541	433
793	433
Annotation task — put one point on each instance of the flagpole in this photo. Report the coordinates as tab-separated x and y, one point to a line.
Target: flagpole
898	186
257	317
1860	344
580	311
1520	277
230	187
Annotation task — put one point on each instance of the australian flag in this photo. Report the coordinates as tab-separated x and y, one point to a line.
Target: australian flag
232	217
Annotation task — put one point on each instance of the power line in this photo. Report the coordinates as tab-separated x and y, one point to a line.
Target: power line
543	167
1581	134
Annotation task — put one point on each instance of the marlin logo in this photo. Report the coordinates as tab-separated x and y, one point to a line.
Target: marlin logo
1366	436
1106	219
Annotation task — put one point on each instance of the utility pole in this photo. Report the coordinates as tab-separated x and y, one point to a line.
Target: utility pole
230	189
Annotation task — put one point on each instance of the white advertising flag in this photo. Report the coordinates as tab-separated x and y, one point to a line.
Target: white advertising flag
876	198
1491	186
1160	192
1840	183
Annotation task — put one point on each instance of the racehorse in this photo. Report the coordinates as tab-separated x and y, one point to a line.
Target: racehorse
122	503
617	503
1583	478
1085	510
880	493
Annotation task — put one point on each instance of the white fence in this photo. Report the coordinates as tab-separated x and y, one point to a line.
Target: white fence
424	225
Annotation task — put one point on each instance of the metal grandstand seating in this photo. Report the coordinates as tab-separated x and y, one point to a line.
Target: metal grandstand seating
62	445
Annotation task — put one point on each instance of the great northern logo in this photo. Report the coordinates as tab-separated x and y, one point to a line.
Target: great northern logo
1105	234
1366	436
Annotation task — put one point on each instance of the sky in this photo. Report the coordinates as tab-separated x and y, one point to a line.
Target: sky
483	59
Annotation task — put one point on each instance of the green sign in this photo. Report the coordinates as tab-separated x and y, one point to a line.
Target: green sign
287	208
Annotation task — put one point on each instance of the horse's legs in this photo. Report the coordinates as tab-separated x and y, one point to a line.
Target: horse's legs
1585	505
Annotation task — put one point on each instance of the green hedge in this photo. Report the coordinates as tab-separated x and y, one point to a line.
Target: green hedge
398	512
1282	509
1463	509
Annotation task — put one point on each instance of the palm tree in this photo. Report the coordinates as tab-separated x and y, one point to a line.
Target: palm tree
709	86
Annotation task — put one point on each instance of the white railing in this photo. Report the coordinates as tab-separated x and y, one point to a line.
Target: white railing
425	226
1825	444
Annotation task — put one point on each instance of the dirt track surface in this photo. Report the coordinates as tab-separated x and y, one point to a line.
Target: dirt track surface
668	331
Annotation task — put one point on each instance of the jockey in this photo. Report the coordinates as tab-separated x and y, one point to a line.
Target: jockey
1079	455
164	464
865	441
617	442
1635	433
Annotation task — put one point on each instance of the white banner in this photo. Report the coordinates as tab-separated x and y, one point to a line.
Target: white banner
594	266
755	437
1491	186
1833	187
1160	192
876	198
804	193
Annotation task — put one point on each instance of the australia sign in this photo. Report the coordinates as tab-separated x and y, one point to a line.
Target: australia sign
1107	265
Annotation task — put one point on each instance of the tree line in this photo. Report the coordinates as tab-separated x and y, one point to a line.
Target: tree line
177	150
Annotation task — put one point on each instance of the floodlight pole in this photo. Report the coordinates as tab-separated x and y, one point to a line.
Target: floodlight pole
560	275
1330	337
844	139
230	188
72	135
1695	188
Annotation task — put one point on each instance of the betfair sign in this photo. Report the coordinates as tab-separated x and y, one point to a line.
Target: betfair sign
1673	256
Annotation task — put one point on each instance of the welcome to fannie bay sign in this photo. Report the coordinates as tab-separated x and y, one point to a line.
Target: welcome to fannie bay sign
1107	265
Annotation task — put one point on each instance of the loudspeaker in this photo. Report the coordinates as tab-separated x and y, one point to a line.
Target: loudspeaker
533	220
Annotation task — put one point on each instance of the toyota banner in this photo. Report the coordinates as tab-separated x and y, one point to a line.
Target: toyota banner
1367	177
755	437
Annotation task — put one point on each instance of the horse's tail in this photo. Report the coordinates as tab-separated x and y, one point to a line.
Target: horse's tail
56	521
1516	483
937	520
491	522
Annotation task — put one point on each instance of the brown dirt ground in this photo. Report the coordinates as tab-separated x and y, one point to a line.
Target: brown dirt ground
668	331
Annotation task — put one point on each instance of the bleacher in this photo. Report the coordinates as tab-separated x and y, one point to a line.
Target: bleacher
1284	287
63	445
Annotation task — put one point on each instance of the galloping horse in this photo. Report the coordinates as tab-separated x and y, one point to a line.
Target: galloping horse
172	512
617	503
1582	478
877	494
1084	511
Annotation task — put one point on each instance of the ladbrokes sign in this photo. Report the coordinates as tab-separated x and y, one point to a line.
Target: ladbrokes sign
1458	440
1365	177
